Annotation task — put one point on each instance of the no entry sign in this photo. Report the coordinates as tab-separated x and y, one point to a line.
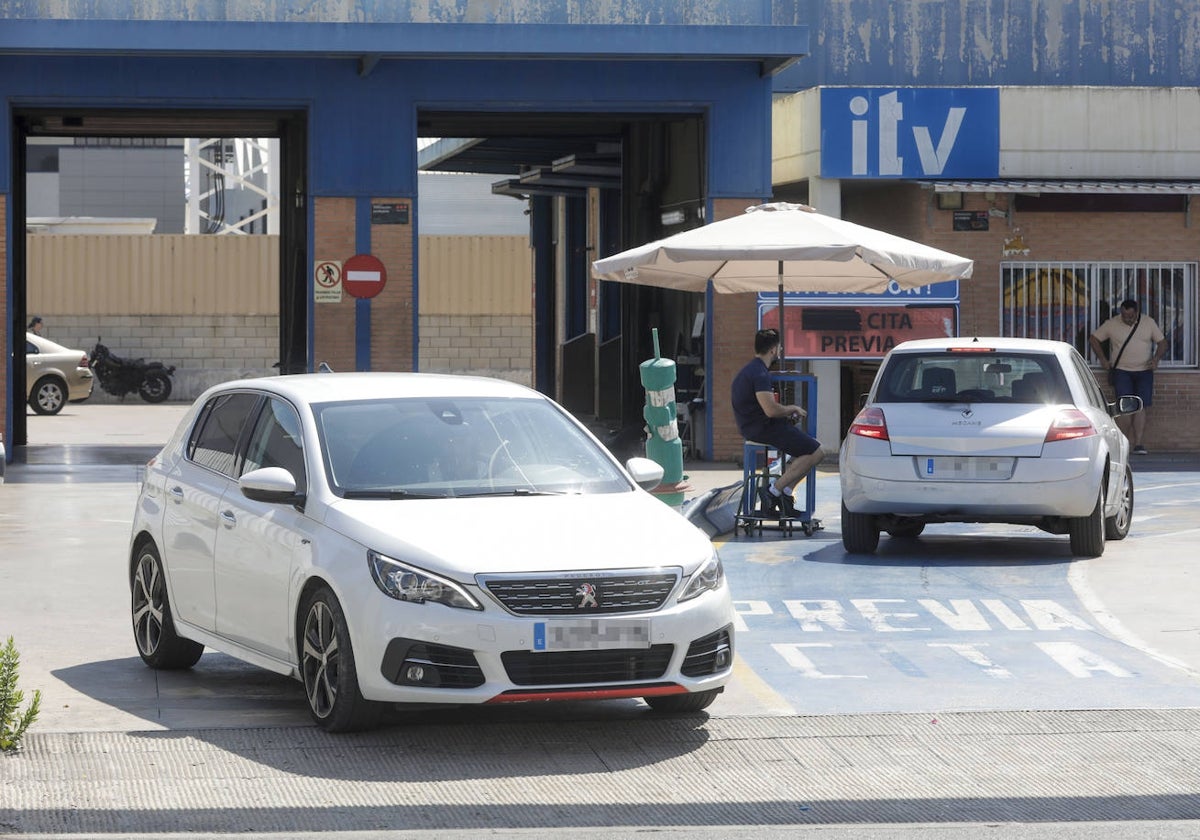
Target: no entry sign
363	276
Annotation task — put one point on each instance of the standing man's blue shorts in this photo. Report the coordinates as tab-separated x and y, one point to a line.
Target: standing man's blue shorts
1135	383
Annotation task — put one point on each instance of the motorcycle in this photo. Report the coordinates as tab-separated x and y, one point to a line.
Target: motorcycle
117	376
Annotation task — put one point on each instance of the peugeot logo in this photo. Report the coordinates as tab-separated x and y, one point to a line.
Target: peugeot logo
587	596
966	412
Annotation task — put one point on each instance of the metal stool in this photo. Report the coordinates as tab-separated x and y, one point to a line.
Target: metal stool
756	475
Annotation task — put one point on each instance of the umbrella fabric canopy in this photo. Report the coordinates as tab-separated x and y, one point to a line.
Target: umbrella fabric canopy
786	246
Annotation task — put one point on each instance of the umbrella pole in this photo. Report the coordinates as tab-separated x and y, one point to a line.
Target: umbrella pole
782	346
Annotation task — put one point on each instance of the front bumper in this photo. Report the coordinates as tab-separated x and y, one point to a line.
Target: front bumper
429	653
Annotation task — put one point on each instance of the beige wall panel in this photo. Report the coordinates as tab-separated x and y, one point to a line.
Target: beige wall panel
154	275
476	275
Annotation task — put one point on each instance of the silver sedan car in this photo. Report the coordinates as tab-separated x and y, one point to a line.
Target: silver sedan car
987	430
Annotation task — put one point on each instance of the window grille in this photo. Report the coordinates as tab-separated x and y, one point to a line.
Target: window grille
1066	301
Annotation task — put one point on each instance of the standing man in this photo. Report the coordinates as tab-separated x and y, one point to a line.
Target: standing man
1133	367
35	325
760	417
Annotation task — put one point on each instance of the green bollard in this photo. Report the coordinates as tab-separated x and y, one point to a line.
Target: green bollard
663	446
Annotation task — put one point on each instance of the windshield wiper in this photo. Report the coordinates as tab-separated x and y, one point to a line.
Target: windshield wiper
515	491
390	493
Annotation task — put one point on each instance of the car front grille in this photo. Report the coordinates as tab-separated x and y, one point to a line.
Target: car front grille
586	667
705	654
569	595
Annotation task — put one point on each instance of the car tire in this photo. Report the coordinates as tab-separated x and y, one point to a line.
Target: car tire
860	532
906	530
327	667
682	704
1116	527
1087	532
155	387
153	628
48	396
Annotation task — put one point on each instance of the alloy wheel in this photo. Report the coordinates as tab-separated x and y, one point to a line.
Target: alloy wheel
319	659
147	605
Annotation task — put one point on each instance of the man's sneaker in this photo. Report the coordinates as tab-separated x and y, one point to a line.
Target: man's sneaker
768	501
1140	450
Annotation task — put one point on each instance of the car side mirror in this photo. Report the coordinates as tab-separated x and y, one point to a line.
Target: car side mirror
646	474
1125	405
273	485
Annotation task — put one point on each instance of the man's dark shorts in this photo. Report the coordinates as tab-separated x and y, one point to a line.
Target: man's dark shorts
1138	383
783	435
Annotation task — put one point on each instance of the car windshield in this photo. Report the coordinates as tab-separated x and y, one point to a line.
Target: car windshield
434	447
976	376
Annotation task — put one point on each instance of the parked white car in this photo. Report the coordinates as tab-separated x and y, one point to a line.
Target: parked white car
411	538
987	430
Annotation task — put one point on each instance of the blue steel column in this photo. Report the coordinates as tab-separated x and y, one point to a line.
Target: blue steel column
362	306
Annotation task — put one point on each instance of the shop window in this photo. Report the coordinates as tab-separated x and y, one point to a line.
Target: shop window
1067	301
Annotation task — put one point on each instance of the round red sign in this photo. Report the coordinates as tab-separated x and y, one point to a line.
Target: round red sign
363	276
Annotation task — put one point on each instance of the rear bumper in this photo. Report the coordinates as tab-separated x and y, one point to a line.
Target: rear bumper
885	483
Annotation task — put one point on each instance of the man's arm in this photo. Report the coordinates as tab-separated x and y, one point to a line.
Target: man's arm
1098	349
771	408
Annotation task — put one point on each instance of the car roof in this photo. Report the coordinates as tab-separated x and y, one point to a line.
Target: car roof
337	387
1029	345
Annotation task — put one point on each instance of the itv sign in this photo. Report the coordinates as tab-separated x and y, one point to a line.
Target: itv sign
910	133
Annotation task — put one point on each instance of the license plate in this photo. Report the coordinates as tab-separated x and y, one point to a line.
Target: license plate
963	468
591	634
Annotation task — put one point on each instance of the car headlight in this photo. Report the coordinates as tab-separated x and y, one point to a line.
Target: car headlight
408	583
708	576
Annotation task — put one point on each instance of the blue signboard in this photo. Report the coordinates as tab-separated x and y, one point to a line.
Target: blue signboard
910	132
944	292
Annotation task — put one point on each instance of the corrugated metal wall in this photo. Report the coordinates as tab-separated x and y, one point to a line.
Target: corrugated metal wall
158	274
476	275
163	274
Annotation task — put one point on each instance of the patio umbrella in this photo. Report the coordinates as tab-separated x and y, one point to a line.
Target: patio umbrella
789	247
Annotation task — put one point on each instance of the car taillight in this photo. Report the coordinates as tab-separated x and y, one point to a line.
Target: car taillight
870	423
1070	423
83	362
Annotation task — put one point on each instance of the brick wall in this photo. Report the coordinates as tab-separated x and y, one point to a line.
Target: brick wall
333	323
734	320
480	345
205	349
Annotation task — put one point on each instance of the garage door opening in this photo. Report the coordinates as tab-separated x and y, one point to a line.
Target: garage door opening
589	185
178	237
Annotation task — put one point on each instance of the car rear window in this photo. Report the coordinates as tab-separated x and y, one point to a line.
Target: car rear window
974	377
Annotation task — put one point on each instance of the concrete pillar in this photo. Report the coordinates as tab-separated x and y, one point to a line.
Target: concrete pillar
825	195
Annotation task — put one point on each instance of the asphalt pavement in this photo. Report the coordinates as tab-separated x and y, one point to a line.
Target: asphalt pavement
224	749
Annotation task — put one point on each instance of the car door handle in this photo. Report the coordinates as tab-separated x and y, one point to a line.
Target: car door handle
228	518
177	492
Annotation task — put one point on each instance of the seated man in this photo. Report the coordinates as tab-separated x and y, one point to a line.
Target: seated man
761	418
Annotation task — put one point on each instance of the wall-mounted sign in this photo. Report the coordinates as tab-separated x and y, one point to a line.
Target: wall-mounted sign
327	281
860	332
970	220
365	276
910	132
389	213
946	292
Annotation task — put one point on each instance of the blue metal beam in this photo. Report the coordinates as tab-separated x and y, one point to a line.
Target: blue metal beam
774	47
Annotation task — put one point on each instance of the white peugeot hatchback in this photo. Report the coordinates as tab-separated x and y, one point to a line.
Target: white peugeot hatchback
987	430
411	538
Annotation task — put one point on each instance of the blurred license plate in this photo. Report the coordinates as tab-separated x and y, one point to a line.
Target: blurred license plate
952	467
591	634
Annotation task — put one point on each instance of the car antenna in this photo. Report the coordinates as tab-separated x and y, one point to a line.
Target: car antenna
324	368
